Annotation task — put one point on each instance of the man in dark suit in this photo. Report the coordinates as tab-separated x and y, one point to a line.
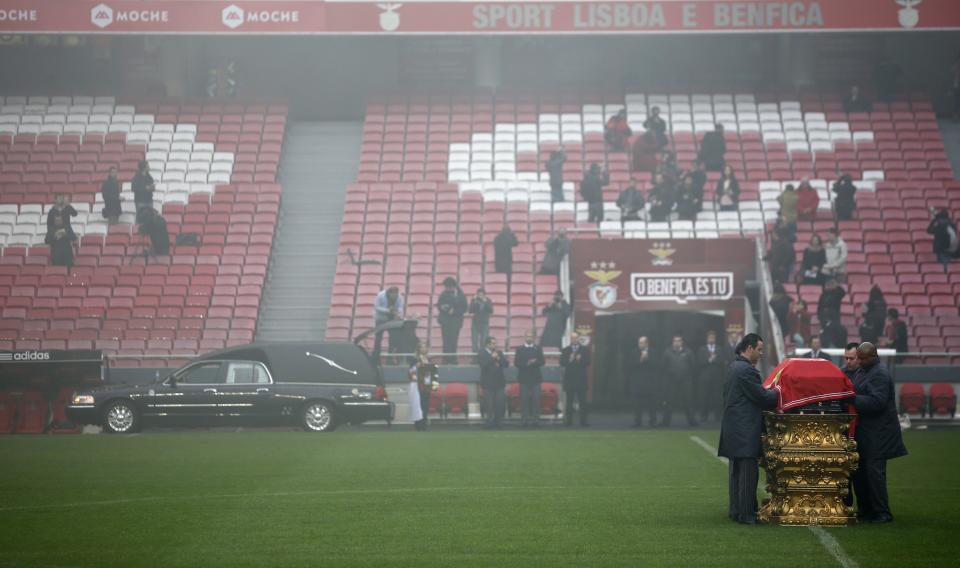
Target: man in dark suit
492	380
816	351
745	399
575	360
645	381
711	368
451	306
679	375
529	360
878	435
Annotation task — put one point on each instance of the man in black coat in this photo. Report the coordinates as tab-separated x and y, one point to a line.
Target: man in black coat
528	361
492	380
555	170
644	376
844	205
575	360
591	189
816	350
878	435
451	306
655	124
712	149
711	368
679	375
503	245
744	399
631	203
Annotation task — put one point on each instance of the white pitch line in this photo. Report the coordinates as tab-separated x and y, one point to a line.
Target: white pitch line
826	539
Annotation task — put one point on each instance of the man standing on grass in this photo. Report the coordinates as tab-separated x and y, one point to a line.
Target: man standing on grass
528	360
745	399
575	360
492	379
878	435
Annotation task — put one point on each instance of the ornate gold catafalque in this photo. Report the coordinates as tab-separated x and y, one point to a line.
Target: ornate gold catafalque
808	459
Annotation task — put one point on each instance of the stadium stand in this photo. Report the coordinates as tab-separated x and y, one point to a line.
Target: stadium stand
215	165
439	175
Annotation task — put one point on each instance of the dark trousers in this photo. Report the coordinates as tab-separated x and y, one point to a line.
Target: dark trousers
529	403
425	409
679	396
451	335
744	475
581	395
378	342
870	485
645	403
556	191
595	212
494	403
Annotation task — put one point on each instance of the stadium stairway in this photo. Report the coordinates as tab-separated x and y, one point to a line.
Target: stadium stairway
950	130
319	160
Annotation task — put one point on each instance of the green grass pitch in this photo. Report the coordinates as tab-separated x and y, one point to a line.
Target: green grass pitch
442	498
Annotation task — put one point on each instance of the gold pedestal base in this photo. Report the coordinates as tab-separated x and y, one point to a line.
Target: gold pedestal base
808	459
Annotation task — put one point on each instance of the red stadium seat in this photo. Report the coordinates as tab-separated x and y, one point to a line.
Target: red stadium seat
455	399
513	399
943	400
913	400
60	424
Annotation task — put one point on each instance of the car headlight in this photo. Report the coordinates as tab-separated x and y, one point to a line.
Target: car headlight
82	399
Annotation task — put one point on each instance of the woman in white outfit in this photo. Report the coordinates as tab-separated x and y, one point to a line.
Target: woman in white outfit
423	378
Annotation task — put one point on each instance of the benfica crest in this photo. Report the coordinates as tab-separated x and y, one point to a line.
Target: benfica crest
908	15
661	254
602	293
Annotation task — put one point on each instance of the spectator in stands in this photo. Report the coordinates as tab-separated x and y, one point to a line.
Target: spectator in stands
503	245
879	437
874	316
387	307
679	368
836	251
850	364
667	167
110	191
591	189
423	380
617	131
142	186
154	227
945	241
644	376
799	323
493	380
742	425
555	170
558	247
711	368
814	257
61	208
786	230
698	180
655	124
780	258
557	312
886	75
575	360
529	360
828	306
687	203
816	350
833	334
844	205
895	334
788	201
780	302
60	235
661	199
712	149
807	201
727	193
645	152
481	307
856	102
451	307
631	204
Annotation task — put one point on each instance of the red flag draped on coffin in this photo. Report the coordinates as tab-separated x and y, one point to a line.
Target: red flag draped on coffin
808	381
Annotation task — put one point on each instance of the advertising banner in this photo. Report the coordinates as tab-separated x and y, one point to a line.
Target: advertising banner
471	18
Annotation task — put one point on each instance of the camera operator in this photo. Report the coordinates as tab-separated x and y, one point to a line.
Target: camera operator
142	186
154	226
945	236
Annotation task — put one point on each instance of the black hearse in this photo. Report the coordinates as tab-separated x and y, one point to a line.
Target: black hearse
316	385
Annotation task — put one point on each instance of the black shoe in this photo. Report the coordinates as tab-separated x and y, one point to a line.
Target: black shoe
879	519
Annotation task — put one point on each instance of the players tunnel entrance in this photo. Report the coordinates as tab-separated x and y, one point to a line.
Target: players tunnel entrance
616	335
